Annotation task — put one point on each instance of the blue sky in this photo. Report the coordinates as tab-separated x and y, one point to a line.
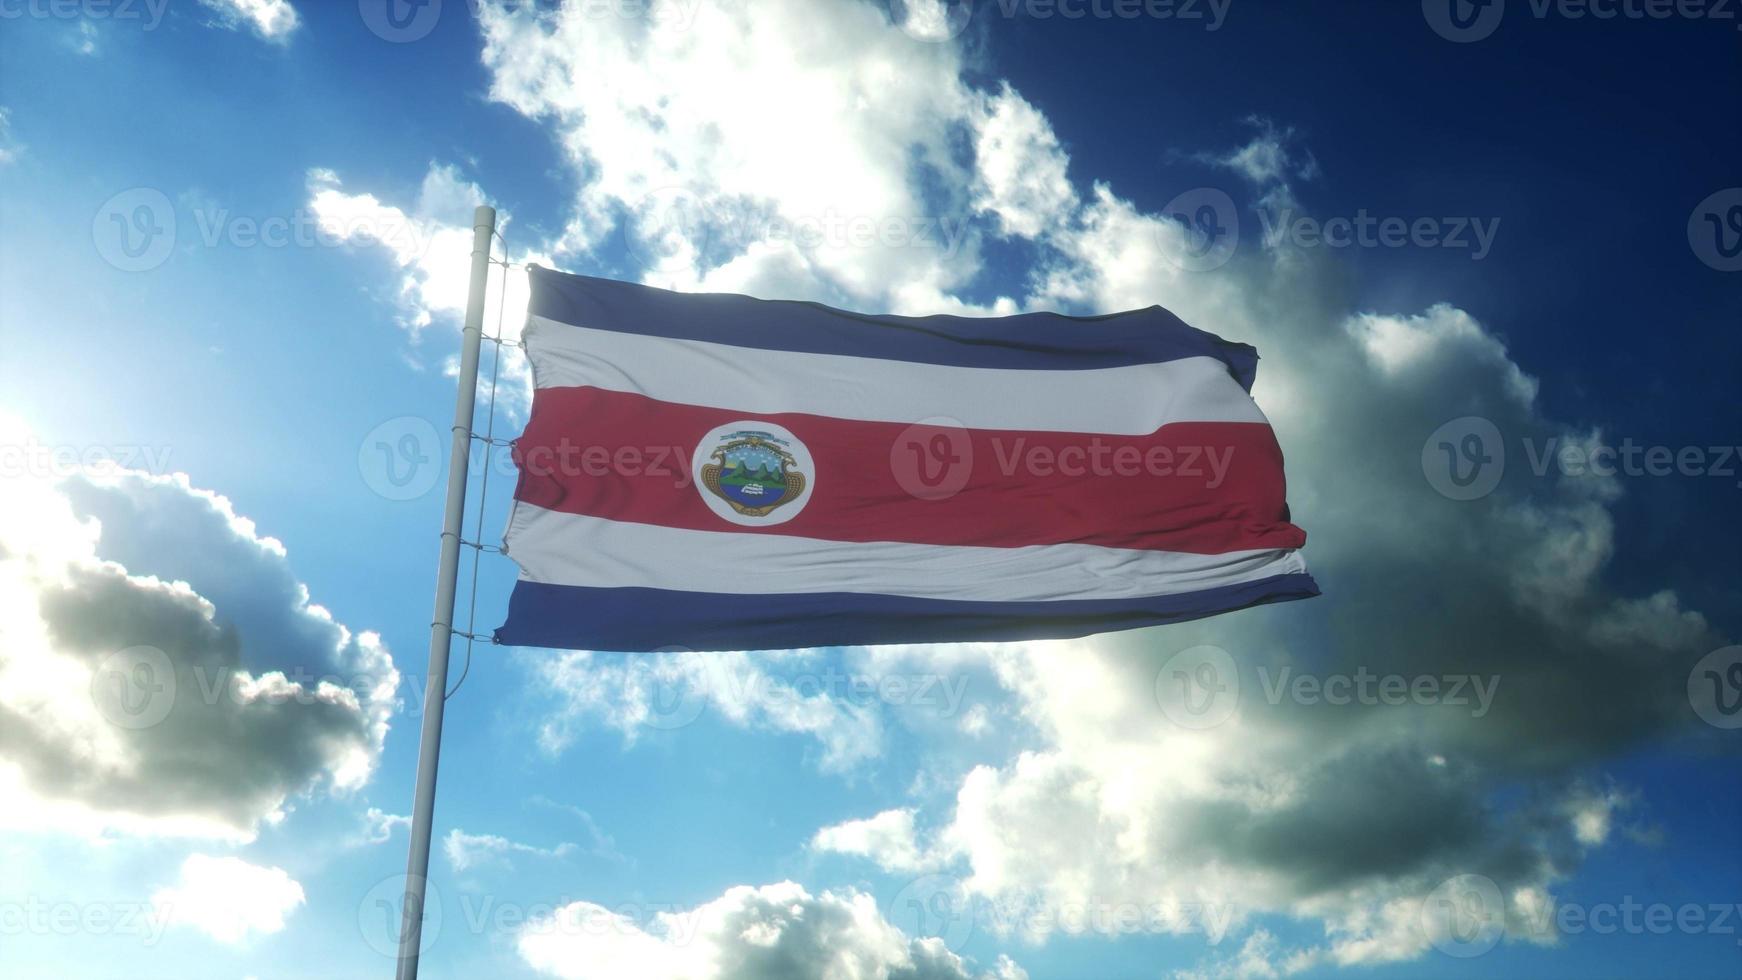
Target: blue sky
1028	160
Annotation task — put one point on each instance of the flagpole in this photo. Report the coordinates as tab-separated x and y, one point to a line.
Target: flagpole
441	631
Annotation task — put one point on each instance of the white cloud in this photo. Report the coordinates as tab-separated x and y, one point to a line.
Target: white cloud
161	669
931	20
431	245
1402	347
686	163
976	721
1270	158
271	20
1592	812
1256	960
1272	161
887	838
8	149
668	691
432	242
228	898
1021	168
378	825
599	844
467	851
748	933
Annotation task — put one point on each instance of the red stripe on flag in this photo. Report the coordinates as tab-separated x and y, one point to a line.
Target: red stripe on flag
1198	487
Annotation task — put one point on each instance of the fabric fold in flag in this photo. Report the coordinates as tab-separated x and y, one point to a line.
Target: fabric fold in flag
716	472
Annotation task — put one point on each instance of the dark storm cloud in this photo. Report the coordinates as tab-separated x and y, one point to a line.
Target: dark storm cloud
218	693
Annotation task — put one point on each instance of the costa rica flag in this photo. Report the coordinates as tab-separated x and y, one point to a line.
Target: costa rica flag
716	472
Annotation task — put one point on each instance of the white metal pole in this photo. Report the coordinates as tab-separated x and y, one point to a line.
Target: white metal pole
441	632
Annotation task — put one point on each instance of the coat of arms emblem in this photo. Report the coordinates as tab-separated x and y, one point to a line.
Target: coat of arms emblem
754	471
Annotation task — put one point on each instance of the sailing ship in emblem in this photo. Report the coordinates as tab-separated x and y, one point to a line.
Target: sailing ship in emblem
754	472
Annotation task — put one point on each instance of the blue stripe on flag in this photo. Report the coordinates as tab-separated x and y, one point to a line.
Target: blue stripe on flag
1029	341
630	620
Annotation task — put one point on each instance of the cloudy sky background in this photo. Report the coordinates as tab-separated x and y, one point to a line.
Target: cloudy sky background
221	452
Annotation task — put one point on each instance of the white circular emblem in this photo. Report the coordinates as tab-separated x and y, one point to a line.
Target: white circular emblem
753	473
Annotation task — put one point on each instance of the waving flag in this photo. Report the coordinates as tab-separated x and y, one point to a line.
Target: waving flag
719	472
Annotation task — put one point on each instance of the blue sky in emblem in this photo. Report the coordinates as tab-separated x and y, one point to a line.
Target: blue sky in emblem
234	249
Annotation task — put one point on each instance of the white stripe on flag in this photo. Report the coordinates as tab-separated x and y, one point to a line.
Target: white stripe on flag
1133	400
573	549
